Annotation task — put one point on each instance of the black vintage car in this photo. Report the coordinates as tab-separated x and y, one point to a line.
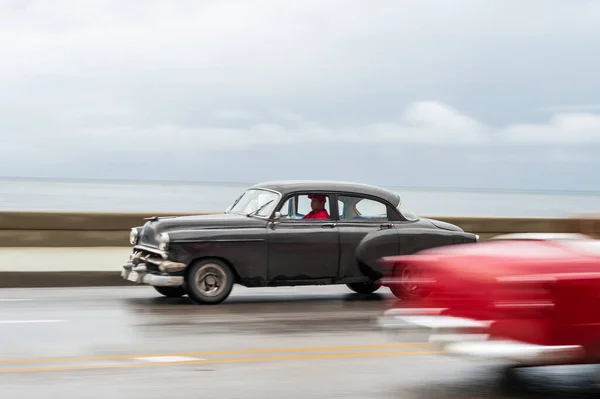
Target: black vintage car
263	239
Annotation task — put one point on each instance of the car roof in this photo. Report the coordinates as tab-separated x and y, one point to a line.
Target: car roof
287	186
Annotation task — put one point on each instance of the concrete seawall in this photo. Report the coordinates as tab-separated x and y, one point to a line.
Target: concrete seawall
69	229
111	229
62	249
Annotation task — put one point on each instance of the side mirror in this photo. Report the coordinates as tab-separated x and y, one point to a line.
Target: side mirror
277	215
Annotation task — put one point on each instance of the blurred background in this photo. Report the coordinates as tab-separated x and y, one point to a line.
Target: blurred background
480	99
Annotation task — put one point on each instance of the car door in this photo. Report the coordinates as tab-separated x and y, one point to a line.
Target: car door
299	249
359	217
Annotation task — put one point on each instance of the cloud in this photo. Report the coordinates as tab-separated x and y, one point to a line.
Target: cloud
236	115
425	123
429	123
571	108
564	128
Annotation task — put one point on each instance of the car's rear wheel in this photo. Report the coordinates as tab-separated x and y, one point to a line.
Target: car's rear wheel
209	281
407	288
364	288
171	292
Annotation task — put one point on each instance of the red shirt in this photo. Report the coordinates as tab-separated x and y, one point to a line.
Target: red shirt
322	214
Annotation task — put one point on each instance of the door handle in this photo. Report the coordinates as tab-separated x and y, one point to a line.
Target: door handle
328	225
386	225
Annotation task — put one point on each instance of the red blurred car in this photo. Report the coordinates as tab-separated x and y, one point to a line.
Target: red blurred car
530	299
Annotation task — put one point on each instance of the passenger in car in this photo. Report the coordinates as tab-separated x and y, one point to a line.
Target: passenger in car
317	204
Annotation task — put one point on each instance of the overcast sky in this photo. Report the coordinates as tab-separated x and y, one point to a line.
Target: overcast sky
461	93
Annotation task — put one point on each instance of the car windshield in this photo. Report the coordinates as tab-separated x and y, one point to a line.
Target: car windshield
406	212
256	201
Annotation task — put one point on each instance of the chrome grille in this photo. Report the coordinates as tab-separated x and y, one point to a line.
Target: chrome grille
148	237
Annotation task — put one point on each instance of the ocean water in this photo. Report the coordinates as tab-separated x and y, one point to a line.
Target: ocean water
87	195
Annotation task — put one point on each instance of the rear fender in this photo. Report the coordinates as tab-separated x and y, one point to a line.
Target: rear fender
372	247
399	241
415	240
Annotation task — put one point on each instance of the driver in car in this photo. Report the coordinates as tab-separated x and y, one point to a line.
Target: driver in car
317	204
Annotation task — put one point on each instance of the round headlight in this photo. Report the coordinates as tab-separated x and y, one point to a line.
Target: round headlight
163	241
133	236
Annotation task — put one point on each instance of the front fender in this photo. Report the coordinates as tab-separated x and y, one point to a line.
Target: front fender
245	249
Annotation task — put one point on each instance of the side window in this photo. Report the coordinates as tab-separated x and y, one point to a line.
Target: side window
303	204
286	209
321	202
341	208
357	209
299	206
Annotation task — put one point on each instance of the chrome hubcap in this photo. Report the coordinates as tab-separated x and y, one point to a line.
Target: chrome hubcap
211	279
408	276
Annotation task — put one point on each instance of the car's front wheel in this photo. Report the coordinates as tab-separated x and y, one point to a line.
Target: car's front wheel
171	292
209	281
364	288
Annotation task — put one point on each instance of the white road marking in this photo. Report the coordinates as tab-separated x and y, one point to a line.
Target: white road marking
168	359
30	321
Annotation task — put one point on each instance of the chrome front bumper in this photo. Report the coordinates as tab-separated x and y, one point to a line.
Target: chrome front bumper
139	275
468	337
137	272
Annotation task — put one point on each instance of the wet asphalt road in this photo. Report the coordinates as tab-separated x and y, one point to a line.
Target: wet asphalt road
309	342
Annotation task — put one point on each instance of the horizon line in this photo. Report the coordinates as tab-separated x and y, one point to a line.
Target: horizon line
241	183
